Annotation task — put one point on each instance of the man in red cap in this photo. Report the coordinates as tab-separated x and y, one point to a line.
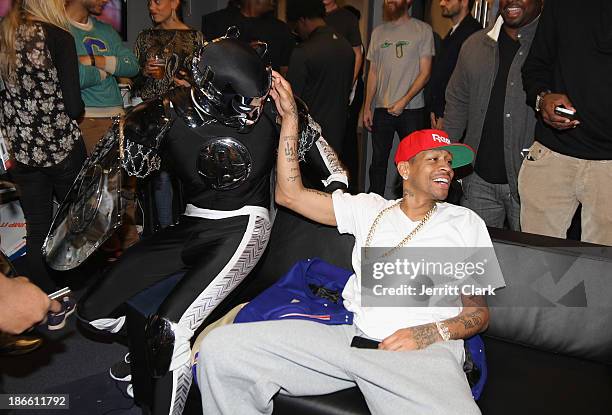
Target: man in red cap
417	367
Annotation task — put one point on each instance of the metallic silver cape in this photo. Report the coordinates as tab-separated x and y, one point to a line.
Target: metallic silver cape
92	209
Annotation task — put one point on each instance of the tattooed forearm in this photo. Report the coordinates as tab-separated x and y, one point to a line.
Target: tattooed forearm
291	151
292	111
472	320
468	324
425	335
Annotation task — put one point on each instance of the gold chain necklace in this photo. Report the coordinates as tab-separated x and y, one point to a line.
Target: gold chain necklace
404	241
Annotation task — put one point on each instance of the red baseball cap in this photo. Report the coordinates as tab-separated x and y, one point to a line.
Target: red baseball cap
423	140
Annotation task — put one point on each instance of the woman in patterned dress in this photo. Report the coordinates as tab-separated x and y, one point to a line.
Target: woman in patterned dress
41	101
162	51
171	41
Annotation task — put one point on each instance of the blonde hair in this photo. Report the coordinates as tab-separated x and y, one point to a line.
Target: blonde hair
49	11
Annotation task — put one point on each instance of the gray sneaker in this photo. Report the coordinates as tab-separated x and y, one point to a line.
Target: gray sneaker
57	321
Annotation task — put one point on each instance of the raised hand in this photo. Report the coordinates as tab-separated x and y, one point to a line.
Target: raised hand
282	94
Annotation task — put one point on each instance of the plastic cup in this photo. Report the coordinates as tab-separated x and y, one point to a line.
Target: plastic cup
159	67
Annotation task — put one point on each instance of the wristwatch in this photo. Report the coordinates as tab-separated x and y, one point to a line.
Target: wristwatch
539	98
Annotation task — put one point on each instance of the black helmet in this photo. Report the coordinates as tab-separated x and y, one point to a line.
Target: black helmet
231	81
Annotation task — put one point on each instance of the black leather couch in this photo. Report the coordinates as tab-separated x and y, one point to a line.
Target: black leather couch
547	353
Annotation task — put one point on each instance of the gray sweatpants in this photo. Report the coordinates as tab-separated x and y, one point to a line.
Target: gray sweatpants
242	366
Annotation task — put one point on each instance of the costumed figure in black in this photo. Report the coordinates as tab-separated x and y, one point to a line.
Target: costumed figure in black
222	134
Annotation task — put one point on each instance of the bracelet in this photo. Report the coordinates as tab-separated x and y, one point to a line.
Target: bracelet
539	98
443	331
93	59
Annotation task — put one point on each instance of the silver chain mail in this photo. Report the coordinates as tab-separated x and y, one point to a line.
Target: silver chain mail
308	136
138	160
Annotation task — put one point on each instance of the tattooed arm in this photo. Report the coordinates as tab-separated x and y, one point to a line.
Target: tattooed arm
290	192
316	155
317	158
473	319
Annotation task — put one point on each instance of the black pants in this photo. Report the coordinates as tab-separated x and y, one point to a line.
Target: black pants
37	186
350	150
207	251
384	127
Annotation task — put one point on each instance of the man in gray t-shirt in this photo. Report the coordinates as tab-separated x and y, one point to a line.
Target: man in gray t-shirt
400	54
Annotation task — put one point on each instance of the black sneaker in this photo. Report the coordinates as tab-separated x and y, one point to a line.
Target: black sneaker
121	371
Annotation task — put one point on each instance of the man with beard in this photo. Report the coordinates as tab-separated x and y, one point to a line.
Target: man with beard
400	54
464	25
485	99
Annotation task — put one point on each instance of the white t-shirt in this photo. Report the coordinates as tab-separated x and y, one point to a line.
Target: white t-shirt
449	226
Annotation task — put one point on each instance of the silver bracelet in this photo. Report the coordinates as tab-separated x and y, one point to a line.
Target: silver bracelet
443	331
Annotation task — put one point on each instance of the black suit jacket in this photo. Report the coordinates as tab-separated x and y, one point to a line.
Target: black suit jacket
445	62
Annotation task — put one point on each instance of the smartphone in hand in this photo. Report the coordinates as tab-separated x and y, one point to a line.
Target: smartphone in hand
566	113
364	343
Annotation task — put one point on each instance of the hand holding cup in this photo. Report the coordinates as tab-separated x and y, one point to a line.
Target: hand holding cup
156	67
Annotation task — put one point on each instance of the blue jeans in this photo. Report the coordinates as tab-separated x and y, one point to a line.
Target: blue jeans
384	127
494	203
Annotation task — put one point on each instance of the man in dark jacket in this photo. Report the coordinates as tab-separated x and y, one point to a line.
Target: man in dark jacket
464	25
485	99
571	161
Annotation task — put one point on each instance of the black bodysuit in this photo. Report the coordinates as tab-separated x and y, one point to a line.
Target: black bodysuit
224	231
184	144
